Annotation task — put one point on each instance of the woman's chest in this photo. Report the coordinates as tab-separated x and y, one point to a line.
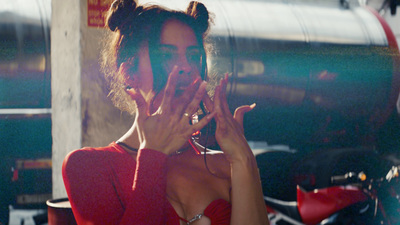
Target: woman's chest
191	187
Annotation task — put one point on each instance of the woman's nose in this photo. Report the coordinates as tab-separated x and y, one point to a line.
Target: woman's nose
184	66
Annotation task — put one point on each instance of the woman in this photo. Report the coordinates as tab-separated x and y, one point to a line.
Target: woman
154	173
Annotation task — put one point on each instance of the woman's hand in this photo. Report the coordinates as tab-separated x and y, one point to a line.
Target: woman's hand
229	132
168	128
248	205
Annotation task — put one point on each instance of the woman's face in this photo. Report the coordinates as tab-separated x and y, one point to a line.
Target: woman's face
179	47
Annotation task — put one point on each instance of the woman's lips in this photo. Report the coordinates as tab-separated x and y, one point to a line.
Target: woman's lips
180	90
181	87
184	84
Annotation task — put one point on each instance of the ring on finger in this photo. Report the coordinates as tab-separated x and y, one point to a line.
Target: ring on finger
186	114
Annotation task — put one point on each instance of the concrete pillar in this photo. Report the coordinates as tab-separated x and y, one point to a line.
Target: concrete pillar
66	85
82	114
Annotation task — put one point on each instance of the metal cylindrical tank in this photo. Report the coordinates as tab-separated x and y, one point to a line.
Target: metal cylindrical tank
321	74
25	54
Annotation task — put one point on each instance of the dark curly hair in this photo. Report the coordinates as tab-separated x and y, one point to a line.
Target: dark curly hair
131	25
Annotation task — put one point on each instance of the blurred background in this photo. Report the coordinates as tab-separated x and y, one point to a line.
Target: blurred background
325	74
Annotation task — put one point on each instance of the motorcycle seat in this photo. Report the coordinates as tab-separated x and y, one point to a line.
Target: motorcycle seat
288	208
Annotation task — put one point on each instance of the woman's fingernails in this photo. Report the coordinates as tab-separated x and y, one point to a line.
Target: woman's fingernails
130	90
196	81
203	86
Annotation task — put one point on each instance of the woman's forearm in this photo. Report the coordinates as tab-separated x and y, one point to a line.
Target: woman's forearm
248	205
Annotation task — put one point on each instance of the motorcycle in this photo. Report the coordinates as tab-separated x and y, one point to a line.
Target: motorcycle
366	195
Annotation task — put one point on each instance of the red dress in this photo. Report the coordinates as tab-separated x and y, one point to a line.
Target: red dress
107	186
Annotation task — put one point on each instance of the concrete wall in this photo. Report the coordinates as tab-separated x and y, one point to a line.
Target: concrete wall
82	113
66	85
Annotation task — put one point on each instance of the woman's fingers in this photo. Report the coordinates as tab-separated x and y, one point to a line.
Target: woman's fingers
202	123
208	103
226	122
224	103
170	88
220	116
218	94
142	107
240	111
220	101
198	96
128	77
181	103
123	69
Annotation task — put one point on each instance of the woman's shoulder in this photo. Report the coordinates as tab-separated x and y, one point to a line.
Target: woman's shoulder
90	152
91	157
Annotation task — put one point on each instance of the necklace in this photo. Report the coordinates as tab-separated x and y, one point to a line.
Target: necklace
135	149
126	146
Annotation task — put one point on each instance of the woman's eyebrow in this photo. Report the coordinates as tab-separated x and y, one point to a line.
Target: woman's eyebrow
173	47
167	46
194	47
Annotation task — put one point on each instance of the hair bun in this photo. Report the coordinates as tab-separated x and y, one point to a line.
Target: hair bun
119	12
200	13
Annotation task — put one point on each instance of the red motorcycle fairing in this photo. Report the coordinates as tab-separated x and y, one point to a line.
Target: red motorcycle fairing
314	206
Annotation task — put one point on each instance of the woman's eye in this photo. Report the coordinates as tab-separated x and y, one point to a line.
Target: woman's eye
166	55
194	57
